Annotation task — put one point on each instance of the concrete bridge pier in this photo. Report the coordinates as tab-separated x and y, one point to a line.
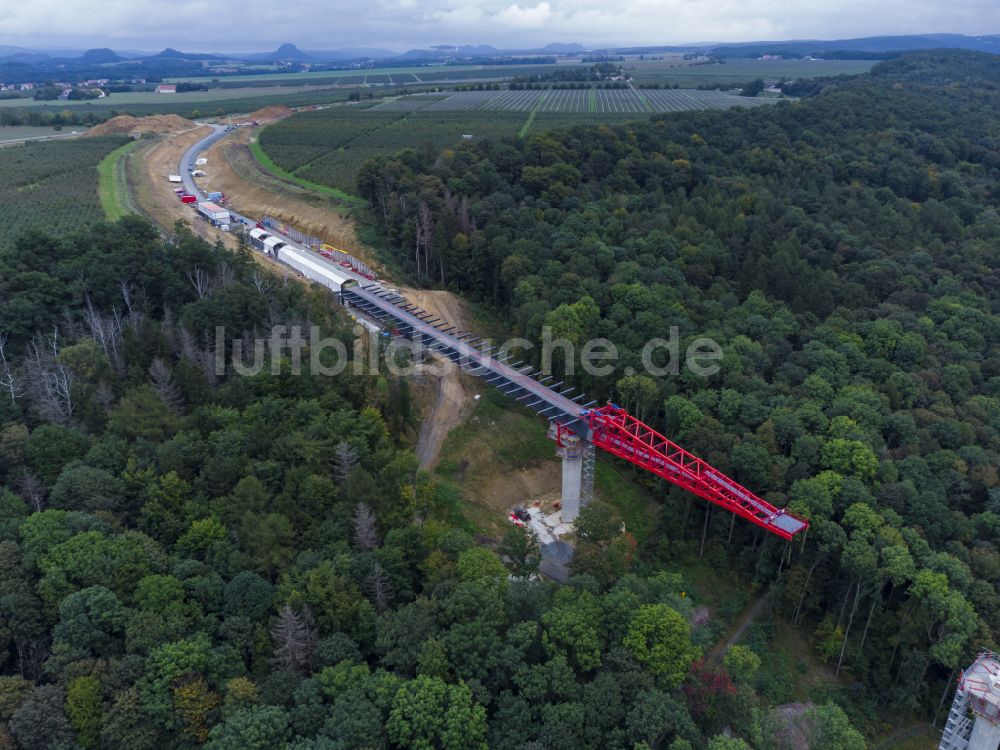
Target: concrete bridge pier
577	475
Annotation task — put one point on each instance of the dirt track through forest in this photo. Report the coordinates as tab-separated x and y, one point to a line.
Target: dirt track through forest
453	401
718	651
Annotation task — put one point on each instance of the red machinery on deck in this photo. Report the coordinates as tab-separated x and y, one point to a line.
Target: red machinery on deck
616	431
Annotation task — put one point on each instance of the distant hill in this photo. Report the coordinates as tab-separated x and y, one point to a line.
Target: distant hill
286	51
872	44
102	55
169	52
172	54
29	58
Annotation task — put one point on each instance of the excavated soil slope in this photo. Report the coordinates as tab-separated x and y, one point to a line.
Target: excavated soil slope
152	124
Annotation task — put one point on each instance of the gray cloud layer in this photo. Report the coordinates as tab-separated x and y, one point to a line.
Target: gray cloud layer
400	24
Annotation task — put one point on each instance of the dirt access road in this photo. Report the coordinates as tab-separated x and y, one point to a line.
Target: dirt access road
455	391
153	193
232	169
718	651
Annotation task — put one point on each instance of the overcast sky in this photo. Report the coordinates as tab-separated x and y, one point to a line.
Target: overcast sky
258	25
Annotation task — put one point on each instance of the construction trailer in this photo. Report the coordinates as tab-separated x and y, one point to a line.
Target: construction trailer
974	719
214	212
257	237
315	269
272	245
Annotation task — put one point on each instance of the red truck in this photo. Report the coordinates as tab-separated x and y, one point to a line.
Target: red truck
188	199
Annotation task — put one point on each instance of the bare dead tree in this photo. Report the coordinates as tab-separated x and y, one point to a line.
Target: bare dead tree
106	330
418	235
134	316
425	220
10	382
201	282
50	381
226	275
262	282
378	588
128	293
345	458
365	528
293	640
164	385
33	491
186	346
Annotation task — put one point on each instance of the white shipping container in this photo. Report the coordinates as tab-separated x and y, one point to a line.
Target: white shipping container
174	178
272	245
313	269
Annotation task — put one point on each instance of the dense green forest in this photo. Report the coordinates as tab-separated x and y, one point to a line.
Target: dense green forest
844	251
193	559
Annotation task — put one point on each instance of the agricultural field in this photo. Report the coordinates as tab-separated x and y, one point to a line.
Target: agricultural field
297	141
327	147
133	98
409	103
27	132
338	167
217	104
565	100
466	101
52	185
418	73
598	101
738	70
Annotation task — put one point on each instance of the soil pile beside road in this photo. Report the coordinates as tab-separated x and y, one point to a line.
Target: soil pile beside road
266	114
151	124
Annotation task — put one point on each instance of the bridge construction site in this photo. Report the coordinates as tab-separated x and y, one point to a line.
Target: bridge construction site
577	426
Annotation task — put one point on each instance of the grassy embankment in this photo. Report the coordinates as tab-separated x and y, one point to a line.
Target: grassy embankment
330	192
112	185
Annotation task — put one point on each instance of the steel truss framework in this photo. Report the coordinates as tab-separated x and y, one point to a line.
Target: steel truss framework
609	427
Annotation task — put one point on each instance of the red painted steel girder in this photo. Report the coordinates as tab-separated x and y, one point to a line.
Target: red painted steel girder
619	433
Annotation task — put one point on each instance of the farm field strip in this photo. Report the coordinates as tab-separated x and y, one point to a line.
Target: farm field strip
564	100
677	100
405	104
53	184
123	101
605	101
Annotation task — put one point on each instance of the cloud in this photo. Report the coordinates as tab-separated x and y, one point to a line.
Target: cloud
525	18
402	24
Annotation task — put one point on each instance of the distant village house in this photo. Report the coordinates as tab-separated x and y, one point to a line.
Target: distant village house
166	88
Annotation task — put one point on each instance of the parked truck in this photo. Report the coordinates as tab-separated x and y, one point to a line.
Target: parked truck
214	213
215	196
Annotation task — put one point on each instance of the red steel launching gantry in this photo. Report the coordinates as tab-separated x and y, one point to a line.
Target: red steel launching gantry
615	430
